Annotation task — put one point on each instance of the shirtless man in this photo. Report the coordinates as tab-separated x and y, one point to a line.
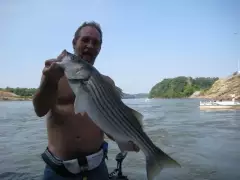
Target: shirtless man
70	136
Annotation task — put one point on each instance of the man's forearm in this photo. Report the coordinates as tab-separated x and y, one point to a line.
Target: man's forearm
45	97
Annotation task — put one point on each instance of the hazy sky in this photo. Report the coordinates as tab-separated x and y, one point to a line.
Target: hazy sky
143	41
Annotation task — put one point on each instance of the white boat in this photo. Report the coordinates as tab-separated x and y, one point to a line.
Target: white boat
220	104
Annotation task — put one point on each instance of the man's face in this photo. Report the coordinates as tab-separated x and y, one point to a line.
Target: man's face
88	44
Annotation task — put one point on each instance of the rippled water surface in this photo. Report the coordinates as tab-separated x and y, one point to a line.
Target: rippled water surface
205	143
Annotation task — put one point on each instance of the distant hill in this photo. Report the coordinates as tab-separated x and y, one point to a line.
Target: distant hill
135	96
9	96
141	95
26	93
180	87
128	96
224	88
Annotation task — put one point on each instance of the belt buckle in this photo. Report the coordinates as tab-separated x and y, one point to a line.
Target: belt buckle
84	168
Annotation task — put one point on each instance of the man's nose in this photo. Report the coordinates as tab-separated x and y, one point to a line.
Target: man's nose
90	45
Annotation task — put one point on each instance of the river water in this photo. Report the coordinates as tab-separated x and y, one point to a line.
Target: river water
205	143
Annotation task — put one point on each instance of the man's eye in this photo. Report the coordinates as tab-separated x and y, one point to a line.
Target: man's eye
96	43
85	40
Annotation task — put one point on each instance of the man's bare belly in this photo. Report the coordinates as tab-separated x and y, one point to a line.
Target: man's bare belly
71	135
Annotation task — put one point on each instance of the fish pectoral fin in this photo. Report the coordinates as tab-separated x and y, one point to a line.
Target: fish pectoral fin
81	101
137	114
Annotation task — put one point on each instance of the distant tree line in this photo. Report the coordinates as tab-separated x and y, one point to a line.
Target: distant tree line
180	87
26	92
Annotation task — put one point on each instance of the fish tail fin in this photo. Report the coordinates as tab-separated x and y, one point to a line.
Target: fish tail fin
155	162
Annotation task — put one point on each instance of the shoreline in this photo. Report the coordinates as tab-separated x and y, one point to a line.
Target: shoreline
203	97
14	99
237	107
198	97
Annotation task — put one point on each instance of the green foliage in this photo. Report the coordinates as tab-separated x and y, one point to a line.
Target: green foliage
24	92
204	83
180	87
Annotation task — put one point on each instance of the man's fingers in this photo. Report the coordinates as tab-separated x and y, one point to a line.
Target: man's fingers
45	71
49	62
134	146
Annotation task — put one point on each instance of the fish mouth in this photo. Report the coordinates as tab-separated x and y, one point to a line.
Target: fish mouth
84	81
77	81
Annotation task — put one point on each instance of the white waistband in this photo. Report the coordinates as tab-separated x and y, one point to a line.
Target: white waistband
94	160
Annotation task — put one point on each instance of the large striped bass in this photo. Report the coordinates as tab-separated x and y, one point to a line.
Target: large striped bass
102	102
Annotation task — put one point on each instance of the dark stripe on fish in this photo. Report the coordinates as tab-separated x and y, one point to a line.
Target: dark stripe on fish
101	105
108	106
110	103
140	134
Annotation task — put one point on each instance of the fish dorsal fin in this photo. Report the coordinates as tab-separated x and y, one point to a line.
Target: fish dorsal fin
138	115
117	91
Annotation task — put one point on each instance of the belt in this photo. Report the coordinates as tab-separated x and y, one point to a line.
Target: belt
73	167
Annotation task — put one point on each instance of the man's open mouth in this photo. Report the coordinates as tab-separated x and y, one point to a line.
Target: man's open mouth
87	57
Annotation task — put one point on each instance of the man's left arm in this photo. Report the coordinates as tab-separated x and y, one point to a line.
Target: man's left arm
130	145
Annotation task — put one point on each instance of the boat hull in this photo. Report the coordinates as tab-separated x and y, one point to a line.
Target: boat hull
219	107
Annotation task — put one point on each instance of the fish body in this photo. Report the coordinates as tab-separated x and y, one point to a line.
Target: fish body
101	100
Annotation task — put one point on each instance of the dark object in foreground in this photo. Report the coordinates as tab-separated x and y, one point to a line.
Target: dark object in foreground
117	173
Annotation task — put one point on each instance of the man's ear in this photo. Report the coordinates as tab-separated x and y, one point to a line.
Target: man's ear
99	49
74	43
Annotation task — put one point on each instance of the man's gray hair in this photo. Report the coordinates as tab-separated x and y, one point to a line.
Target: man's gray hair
92	24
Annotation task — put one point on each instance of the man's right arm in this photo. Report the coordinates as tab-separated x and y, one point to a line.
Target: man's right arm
45	97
